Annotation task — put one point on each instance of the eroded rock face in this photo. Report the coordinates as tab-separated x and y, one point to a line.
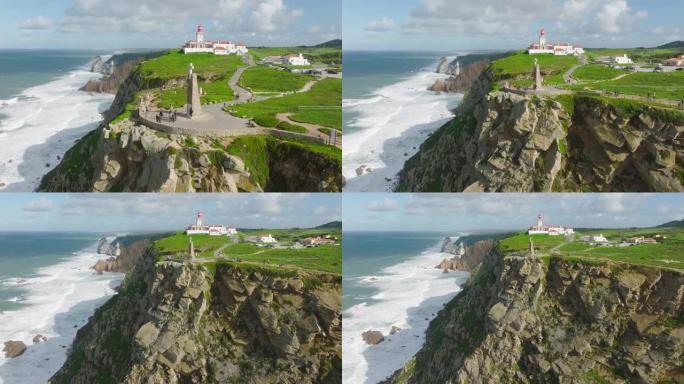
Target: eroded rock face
175	322
522	320
504	142
473	256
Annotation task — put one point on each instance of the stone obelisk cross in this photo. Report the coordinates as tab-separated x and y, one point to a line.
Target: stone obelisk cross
538	81
194	105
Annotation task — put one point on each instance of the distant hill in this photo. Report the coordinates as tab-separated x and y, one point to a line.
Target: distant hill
676	223
337	43
332	224
674	44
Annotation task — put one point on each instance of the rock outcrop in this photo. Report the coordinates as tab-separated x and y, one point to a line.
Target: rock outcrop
461	83
14	349
505	142
474	255
184	323
527	320
373	337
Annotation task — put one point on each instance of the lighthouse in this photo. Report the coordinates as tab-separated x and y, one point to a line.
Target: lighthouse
199	219
542	39
200	34
540	219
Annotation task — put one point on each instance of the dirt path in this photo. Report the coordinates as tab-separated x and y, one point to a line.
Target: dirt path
312	129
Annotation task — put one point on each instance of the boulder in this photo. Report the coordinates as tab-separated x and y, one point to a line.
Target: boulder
14	349
373	337
147	334
38	338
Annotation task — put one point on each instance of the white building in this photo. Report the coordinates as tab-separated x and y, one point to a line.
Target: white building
552	230
199	228
296	60
268	239
559	49
218	47
622	60
595	239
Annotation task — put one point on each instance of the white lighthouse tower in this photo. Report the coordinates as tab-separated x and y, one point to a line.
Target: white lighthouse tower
199	219
542	39
200	34
540	220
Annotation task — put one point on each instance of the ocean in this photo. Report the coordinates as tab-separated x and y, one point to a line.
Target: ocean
388	113
47	288
390	279
42	113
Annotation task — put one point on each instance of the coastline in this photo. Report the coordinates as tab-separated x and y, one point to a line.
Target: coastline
390	125
409	295
58	300
42	122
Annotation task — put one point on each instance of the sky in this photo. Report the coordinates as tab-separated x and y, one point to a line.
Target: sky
120	24
453	25
472	212
163	212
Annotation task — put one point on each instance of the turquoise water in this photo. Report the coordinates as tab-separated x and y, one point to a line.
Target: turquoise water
368	253
22	254
22	69
365	72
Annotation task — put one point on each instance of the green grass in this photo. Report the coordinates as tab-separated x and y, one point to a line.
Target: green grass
665	85
314	55
216	91
128	109
255	152
326	258
263	79
667	253
594	72
519	66
175	65
638	55
326	94
285	126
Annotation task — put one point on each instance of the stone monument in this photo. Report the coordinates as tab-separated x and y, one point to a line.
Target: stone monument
538	81
191	248
532	253
194	104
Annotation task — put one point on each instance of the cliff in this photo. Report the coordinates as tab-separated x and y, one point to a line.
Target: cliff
462	82
471	259
187	323
129	257
505	142
124	156
531	320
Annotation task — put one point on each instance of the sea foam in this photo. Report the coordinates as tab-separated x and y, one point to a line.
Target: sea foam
409	296
58	300
390	124
38	126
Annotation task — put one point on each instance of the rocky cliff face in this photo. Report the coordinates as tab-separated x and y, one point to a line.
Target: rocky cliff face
182	323
502	141
129	257
473	257
524	320
462	82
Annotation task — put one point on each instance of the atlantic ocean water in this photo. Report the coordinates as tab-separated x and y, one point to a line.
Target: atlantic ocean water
47	287
42	111
388	113
390	280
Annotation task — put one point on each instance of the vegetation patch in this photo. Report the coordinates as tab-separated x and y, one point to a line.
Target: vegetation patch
321	106
593	72
264	79
175	65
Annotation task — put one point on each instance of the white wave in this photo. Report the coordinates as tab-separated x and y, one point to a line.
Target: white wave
58	301
14	299
8	102
409	295
42	124
389	127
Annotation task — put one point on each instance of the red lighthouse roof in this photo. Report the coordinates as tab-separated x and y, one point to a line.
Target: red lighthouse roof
200	28
542	32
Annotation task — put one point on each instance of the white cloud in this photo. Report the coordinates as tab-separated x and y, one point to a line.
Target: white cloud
36	23
383	25
506	18
384	205
41	205
152	16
